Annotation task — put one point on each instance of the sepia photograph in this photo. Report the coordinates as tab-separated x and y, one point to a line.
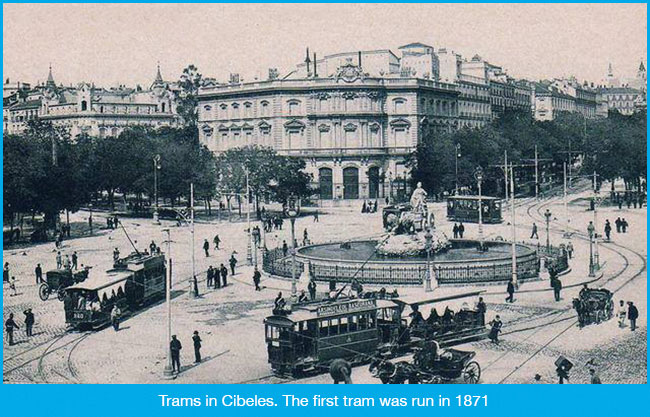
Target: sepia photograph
324	193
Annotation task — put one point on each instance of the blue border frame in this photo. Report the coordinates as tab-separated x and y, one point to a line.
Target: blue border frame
136	400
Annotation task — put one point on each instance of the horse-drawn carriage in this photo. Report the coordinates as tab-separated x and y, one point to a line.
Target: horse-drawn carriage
430	365
594	305
57	280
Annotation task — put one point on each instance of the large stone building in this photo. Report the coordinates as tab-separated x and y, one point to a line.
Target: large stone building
564	95
91	110
625	95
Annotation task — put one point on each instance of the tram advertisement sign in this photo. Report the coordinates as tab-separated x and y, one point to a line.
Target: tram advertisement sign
347	307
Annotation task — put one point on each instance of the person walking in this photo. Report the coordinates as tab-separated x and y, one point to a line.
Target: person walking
495	329
569	249
216	278
608	229
115	317
75	260
455	231
224	275
285	248
622	314
632	314
624	225
617	222
66	262
233	263
10	326
256	279
175	348
206	247
533	234
557	287
216	242
38	271
316	220
511	292
59	260
197	346
29	321
461	230
12	287
311	287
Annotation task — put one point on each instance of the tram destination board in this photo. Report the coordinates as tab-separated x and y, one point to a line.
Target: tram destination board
345	307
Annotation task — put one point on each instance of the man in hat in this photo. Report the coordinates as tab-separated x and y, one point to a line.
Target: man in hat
175	348
10	325
632	314
197	346
595	379
256	279
29	321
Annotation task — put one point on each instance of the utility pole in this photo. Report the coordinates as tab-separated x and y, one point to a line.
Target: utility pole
513	228
536	174
249	247
191	292
505	174
567	235
167	373
596	257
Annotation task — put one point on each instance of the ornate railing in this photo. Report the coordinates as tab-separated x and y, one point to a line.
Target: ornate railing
397	273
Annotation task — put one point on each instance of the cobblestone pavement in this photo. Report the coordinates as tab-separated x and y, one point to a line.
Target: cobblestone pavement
230	319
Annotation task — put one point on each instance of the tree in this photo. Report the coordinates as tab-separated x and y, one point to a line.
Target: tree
189	83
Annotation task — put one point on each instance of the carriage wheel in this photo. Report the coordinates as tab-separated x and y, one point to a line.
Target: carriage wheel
472	373
60	294
44	292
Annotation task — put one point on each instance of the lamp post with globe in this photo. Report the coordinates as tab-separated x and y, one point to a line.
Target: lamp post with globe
156	168
429	241
547	215
478	175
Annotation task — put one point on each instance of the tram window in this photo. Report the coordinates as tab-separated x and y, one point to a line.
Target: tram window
285	334
343	326
334	327
353	323
372	323
363	322
323	327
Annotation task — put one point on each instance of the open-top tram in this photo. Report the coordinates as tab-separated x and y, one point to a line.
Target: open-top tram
311	335
133	282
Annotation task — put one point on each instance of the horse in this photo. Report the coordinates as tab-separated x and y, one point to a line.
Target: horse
340	371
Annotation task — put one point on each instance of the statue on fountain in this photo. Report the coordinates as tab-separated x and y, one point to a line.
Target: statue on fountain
407	226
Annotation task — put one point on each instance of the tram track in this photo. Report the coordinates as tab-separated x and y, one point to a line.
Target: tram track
627	265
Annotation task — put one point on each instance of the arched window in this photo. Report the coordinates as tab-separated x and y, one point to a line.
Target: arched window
325	183
84	105
399	105
293	107
265	108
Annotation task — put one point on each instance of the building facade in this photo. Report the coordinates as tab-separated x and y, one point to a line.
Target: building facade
85	109
355	131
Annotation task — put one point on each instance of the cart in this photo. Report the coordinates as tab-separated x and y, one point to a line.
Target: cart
57	280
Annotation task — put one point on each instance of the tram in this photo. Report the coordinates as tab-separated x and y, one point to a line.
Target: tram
133	282
464	208
312	334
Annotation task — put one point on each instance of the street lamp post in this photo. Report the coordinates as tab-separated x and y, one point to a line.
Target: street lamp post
478	175
156	168
590	230
513	228
548	215
168	373
390	186
90	218
292	212
596	256
457	156
249	246
429	240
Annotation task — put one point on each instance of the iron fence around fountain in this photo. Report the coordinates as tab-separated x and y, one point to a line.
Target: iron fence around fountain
396	273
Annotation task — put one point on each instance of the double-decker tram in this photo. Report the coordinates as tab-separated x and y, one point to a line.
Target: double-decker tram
133	282
464	208
310	335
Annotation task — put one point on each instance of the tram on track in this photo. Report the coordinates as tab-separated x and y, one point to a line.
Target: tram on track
464	208
312	334
133	282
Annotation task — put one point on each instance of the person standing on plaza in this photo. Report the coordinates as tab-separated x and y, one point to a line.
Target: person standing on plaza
511	292
206	247
10	326
316	220
620	203
595	379
622	314
461	230
624	225
481	308
233	263
285	248
617	222
209	275
38	271
175	348
75	260
59	260
197	346
115	317
557	287
632	314
196	287
29	321
455	231
67	264
608	229
12	287
216	242
5	273
533	234
311	287
256	279
305	238
224	275
569	249
152	247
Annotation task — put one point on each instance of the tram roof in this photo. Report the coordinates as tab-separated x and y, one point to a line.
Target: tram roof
107	279
313	311
428	298
471	197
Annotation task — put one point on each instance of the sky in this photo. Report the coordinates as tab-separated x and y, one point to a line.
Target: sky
111	44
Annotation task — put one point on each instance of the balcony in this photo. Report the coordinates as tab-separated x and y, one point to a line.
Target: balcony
339	152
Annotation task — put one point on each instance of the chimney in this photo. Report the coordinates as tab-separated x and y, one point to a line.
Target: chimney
359	59
307	62
315	72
